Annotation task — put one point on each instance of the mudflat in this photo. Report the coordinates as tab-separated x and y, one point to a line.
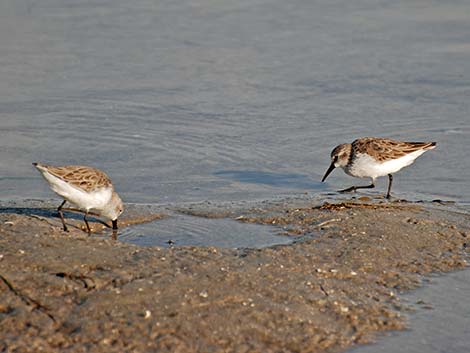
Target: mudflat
338	283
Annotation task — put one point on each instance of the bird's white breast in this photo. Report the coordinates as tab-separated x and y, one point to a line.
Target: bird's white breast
364	165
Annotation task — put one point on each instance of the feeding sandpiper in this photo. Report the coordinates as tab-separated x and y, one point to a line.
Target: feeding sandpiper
89	189
372	157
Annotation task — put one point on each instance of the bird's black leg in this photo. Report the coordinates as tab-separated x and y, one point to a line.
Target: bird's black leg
354	188
61	214
390	180
86	222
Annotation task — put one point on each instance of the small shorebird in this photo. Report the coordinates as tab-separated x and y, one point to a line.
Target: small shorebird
88	188
372	157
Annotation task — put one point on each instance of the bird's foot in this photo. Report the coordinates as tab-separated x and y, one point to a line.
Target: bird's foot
351	189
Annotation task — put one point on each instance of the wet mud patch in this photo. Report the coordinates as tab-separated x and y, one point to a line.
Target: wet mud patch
46	211
66	291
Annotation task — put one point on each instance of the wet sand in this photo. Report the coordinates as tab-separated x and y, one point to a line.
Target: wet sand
337	285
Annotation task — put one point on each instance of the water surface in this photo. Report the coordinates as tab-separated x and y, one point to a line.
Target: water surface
189	101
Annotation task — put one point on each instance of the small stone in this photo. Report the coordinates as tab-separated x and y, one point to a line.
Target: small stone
148	313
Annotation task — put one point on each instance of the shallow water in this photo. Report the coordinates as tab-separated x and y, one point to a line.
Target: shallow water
224	100
444	328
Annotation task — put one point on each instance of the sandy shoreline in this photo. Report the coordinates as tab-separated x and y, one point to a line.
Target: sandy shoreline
69	292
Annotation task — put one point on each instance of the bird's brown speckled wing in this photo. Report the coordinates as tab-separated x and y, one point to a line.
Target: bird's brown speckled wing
382	149
83	177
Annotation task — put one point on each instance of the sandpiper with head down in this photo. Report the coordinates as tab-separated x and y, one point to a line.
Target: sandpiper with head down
89	189
372	157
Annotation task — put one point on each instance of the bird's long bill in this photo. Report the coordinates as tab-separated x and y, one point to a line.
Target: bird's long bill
115	224
330	169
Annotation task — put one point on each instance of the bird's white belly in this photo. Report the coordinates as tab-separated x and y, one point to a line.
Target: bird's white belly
95	200
365	166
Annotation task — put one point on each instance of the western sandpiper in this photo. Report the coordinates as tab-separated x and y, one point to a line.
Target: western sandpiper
89	189
372	157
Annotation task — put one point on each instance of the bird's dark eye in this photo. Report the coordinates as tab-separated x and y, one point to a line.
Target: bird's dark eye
335	159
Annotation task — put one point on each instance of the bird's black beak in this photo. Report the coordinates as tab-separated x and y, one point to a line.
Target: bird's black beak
115	227
330	169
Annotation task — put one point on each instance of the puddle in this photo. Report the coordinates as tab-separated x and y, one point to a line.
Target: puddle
440	324
179	230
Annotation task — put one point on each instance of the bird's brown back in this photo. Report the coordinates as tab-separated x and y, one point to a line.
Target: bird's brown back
86	178
382	149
